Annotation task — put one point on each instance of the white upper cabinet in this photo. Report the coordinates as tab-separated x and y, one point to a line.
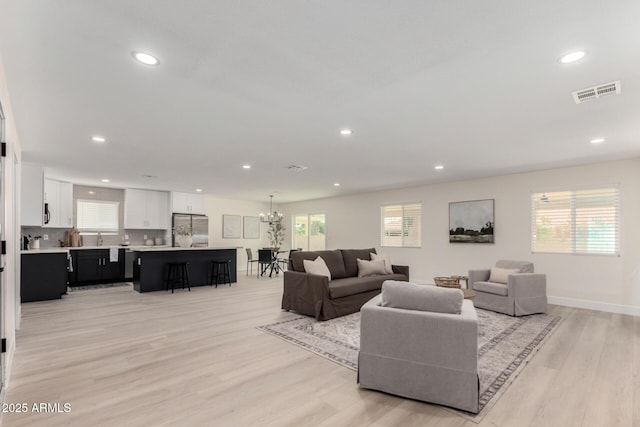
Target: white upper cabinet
158	209
65	195
188	203
58	202
135	208
145	209
31	212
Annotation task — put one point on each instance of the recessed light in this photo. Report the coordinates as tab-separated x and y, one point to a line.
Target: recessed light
597	140
438	167
336	184
199	190
92	192
106	180
246	166
98	139
573	57
145	58
346	132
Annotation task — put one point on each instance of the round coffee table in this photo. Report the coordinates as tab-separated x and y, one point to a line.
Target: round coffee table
468	293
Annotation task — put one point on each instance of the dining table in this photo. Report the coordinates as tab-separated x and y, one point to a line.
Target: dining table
274	265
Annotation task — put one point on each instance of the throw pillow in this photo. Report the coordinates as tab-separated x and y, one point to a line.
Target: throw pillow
387	261
317	266
370	268
411	296
501	275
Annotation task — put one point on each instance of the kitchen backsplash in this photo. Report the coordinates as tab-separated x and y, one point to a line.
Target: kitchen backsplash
56	235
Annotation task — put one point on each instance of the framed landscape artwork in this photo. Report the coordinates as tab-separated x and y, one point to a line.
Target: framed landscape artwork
230	226
251	227
471	221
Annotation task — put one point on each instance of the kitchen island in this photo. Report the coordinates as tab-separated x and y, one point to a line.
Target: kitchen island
150	265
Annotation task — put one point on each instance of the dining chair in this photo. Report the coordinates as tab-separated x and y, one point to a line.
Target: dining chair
285	261
265	260
250	260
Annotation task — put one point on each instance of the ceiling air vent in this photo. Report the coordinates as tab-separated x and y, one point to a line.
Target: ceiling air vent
297	168
590	93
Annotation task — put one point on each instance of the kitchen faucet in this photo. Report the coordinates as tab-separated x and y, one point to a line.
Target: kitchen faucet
99	239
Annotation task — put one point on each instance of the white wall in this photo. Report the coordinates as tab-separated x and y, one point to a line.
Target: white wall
217	207
599	282
11	276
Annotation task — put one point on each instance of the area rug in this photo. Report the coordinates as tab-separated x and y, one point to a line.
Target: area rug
98	286
505	345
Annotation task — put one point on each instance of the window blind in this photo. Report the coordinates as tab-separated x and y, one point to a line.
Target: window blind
95	215
579	222
401	225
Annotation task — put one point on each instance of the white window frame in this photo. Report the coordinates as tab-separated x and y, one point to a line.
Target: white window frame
406	237
97	229
578	245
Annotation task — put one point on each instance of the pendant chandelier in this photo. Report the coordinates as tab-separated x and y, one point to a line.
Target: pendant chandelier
272	216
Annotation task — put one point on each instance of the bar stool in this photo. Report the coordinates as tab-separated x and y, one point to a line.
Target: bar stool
177	274
220	272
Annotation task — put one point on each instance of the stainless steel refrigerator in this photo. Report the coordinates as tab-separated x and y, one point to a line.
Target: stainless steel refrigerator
199	226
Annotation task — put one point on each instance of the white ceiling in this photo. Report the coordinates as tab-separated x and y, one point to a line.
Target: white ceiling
475	86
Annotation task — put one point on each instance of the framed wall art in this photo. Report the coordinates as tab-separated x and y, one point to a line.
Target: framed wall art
231	226
251	227
471	221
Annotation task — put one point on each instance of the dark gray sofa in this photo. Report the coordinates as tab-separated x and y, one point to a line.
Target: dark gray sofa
316	296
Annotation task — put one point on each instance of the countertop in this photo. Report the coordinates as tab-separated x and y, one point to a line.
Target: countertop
169	248
137	248
80	248
45	251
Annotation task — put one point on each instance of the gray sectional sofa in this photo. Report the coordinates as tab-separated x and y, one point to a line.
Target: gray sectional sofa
345	293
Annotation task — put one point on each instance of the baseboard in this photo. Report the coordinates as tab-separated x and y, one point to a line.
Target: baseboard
577	303
595	305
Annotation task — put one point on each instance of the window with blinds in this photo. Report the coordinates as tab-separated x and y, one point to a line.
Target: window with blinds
401	225
96	215
576	222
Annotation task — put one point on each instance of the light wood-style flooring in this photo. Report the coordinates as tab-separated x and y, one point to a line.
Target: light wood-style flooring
120	358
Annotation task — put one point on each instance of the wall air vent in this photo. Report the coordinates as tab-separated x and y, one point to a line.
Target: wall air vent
297	168
590	93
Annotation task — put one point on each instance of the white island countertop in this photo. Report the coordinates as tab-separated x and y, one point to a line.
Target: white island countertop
170	248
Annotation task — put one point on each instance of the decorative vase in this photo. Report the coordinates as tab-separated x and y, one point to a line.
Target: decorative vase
184	241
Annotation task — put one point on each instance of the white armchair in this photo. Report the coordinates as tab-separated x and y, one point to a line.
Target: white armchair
511	287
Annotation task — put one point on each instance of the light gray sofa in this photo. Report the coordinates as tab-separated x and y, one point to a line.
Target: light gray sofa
422	355
524	292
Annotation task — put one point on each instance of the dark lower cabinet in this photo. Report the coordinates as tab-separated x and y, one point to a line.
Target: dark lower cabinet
95	266
43	276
